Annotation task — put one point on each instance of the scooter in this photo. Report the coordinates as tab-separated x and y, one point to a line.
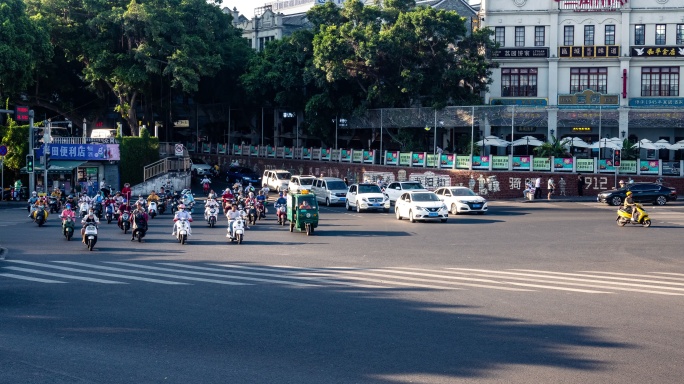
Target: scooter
125	221
54	205
98	209
152	209
281	211
261	210
140	230
238	232
182	230
83	208
205	188
624	217
109	213
90	235
212	216
68	228
40	215
251	215
162	206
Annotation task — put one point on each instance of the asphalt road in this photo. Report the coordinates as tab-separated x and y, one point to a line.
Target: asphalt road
544	292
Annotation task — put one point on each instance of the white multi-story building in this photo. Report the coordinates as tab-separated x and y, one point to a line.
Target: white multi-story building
588	68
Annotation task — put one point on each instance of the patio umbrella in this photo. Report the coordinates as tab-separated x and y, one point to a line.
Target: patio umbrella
493	141
527	141
662	144
606	143
645	144
574	142
677	146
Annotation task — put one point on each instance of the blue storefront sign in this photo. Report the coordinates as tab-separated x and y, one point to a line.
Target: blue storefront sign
82	151
666	102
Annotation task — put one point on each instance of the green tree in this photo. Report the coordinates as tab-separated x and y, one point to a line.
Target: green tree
554	148
124	45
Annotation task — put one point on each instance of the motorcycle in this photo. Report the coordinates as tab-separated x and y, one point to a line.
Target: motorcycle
109	213
624	217
182	230
125	221
212	216
152	209
83	208
251	215
98	209
281	211
162	206
40	215
205	188
260	210
140	229
238	231
90	235
68	228
54	204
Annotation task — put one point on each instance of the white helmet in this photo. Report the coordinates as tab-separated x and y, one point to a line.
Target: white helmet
34	193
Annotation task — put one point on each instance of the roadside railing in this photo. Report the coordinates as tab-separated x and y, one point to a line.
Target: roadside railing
169	164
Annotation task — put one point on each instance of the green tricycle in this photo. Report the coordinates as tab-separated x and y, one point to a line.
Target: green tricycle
302	211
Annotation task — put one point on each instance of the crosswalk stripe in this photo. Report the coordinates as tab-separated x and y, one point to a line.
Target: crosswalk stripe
210	274
12	275
598	281
153	273
456	278
97	273
38	272
529	277
290	277
639	275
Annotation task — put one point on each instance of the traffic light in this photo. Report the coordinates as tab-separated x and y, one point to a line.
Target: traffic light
29	163
617	157
37	137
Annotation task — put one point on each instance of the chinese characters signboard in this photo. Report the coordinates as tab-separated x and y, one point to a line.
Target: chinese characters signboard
83	152
589	51
657	51
521	53
588	97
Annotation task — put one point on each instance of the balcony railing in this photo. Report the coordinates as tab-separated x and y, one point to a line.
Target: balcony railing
82	140
591	5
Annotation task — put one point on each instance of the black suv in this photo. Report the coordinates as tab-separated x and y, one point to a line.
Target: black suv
243	175
654	193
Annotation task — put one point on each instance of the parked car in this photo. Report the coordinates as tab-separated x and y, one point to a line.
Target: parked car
200	167
301	182
420	205
654	193
276	179
397	188
462	200
242	175
366	197
330	190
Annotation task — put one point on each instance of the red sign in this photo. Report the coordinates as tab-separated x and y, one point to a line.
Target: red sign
21	113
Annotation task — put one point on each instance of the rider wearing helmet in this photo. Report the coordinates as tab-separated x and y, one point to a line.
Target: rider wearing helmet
91	217
630	206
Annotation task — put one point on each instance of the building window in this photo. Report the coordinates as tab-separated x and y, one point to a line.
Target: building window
660	34
263	41
519	36
639	34
569	35
588	35
610	35
660	81
520	82
500	36
680	34
539	37
595	79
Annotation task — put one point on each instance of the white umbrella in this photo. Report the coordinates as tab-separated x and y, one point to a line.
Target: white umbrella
662	144
528	140
606	143
645	144
574	142
493	141
677	146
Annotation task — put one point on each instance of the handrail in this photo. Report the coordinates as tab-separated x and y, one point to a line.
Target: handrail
166	165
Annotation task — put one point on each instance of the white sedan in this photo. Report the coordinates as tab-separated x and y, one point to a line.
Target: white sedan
397	188
420	205
462	200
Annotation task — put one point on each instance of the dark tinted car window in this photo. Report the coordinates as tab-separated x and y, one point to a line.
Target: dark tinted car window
638	188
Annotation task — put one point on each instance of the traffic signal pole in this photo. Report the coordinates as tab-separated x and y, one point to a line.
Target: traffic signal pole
32	180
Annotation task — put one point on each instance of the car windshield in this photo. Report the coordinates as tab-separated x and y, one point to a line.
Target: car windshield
462	192
304	201
336	185
283	175
413	186
369	189
425	197
306	181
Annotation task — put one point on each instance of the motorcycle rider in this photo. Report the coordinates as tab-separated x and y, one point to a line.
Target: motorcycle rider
32	202
67	214
211	203
249	188
233	215
261	198
630	206
153	197
122	209
138	220
181	213
227	198
57	194
89	218
205	184
280	202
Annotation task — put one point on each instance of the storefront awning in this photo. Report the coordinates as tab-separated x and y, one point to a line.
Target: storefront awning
58	166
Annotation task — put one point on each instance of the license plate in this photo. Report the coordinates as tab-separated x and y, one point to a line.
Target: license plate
376	204
343	198
476	205
432	214
91	237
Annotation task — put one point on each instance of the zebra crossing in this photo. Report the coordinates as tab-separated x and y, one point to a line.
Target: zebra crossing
451	278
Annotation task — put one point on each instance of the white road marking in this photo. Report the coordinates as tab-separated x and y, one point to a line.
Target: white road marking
37	272
31	278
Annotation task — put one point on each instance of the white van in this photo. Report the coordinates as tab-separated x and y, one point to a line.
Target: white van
276	179
103	133
301	182
330	190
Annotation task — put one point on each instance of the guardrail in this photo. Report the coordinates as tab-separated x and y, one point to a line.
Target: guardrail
179	164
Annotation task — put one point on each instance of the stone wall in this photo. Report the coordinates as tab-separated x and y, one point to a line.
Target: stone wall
494	185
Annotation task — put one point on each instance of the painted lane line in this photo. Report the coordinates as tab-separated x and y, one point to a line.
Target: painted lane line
97	273
208	274
553	276
287	276
638	275
387	270
65	276
12	275
153	273
555	281
386	280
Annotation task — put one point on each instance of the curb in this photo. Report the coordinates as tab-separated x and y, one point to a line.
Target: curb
3	253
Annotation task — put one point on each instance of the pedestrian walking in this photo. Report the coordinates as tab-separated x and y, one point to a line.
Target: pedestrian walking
561	185
580	185
537	188
551	186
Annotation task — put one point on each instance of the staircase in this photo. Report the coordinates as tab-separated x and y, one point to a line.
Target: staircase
164	166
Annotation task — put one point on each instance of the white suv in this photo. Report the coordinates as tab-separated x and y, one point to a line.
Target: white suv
366	197
330	190
398	188
301	182
200	167
276	179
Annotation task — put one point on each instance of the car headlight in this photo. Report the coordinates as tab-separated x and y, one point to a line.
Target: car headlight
462	201
364	199
443	207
